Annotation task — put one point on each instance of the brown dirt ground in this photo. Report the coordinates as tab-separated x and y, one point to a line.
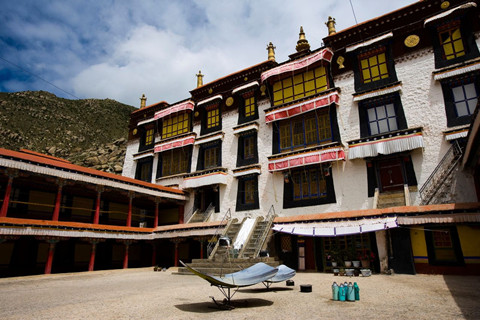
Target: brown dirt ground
145	294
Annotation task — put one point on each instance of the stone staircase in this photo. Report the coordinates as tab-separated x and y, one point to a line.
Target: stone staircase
223	260
250	249
391	199
438	187
199	216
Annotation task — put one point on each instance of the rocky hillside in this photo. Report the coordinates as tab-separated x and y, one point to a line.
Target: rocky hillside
88	132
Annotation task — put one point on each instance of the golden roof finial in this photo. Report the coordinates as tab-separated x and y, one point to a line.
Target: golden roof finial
199	79
302	43
271	52
143	101
331	25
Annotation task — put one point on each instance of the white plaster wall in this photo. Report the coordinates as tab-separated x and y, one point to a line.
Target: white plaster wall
129	165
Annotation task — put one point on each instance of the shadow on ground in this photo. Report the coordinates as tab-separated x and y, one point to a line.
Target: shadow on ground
263	290
465	291
209	307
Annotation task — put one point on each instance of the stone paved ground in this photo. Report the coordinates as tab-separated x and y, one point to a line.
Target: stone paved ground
144	294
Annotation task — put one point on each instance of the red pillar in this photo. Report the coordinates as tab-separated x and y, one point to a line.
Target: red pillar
125	258
129	215
91	264
155	221
51	251
176	255
58	200
6	198
181	213
96	217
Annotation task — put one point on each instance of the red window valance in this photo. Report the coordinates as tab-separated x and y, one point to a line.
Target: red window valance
325	54
188	105
302	107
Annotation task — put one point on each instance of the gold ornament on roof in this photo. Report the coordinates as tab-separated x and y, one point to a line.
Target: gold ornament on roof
445	5
331	25
143	101
229	102
199	78
271	52
302	43
412	40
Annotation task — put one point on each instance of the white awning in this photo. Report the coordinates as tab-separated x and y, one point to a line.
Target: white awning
439	218
337	228
387	145
369	42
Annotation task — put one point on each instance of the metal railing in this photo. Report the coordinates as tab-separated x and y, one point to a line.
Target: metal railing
213	241
438	177
261	240
208	212
190	214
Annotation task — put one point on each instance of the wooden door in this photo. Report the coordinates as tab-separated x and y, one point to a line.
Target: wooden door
390	175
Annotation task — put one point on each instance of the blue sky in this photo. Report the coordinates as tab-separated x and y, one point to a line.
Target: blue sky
122	49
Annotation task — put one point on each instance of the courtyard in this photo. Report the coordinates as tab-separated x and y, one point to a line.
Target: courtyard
145	294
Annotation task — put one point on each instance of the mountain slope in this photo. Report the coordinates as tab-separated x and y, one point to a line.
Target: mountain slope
86	132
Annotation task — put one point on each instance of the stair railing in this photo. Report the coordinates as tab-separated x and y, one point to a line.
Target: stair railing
213	243
208	212
261	240
438	177
190	214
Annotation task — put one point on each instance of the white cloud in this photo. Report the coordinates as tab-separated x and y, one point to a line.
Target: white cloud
120	50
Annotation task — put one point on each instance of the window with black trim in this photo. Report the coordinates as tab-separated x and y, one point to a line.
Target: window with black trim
211	119
375	68
174	161
175	125
308	186
247	149
443	246
453	42
247	193
461	98
381	115
300	85
248	110
305	130
209	155
144	169
147	138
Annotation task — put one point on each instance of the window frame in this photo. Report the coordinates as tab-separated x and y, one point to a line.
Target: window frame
205	129
365	105
201	155
242	160
289	83
185	122
325	171
243	98
293	134
146	133
450	107
467	35
186	151
242	204
139	169
379	48
456	246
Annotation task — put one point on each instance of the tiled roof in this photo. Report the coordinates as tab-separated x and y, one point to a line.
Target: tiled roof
32	157
405	210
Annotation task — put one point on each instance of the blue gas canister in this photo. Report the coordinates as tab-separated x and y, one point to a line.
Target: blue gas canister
350	292
357	291
335	291
342	291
